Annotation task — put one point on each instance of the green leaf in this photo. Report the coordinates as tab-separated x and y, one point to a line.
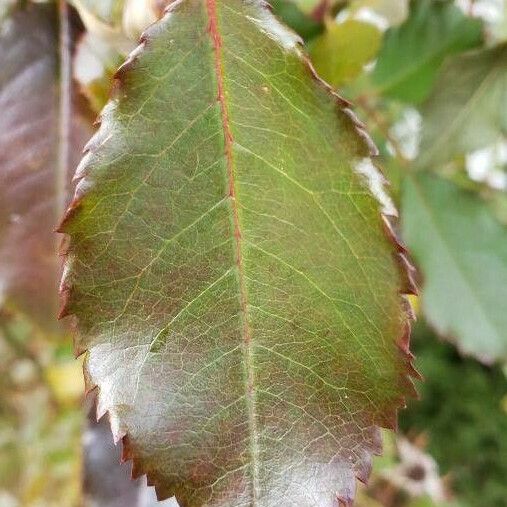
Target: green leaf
302	23
342	51
42	135
467	109
412	53
230	270
95	63
462	252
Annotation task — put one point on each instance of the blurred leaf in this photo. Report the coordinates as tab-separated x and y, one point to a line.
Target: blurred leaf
95	63
412	53
66	380
393	11
103	20
462	252
138	15
43	131
229	249
460	412
119	21
468	107
301	22
341	52
39	438
106	11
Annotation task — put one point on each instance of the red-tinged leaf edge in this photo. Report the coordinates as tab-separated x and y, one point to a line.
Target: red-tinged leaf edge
400	254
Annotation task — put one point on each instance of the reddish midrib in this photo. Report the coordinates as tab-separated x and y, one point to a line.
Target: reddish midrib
229	141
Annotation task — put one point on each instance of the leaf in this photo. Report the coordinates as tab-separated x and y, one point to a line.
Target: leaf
120	21
42	135
301	22
467	108
342	51
95	63
412	53
462	252
230	270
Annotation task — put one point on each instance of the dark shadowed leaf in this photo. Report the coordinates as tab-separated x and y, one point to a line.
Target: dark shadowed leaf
468	107
232	269
40	139
462	252
412	53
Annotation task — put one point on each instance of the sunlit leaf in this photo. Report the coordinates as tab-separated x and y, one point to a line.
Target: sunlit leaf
467	109
462	252
341	52
233	276
412	53
41	137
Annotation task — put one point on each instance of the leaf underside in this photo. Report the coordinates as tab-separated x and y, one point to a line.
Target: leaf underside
232	271
35	153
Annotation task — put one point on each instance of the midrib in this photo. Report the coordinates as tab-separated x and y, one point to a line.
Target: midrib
217	42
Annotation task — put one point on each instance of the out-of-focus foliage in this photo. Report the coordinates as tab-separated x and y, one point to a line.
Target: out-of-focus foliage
463	415
413	52
471	113
462	250
41	425
302	22
342	51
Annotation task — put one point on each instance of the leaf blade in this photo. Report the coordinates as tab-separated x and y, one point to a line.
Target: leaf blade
228	278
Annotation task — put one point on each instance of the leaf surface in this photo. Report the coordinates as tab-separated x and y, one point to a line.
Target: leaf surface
41	138
413	52
467	109
462	252
230	270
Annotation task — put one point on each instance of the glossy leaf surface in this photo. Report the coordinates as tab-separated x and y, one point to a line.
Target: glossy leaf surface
41	138
462	252
412	53
230	270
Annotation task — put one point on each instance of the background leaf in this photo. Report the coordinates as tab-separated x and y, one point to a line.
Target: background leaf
412	53
467	108
341	52
230	269
301	22
462	252
42	136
